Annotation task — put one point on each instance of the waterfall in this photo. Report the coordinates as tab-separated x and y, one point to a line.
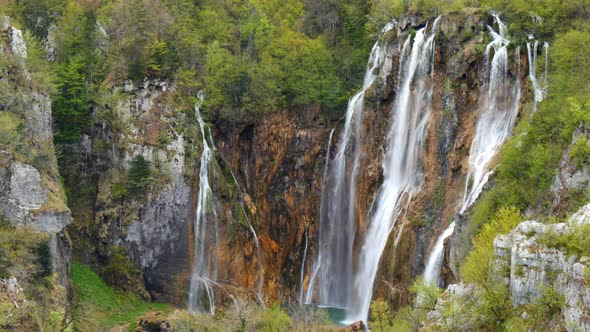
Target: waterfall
539	87
201	294
498	110
334	265
402	169
306	298
302	274
434	264
499	103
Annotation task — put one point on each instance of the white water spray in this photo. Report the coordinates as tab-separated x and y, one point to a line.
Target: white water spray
334	264
402	168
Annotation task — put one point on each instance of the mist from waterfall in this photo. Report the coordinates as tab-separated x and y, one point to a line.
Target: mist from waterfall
333	269
402	166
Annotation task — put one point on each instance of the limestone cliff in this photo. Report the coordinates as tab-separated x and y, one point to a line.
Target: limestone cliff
33	211
530	267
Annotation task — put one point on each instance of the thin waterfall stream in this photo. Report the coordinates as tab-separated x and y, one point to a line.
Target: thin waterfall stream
539	85
499	103
206	233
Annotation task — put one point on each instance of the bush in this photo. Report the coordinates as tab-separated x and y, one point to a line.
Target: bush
580	152
44	254
122	272
274	319
476	268
576	241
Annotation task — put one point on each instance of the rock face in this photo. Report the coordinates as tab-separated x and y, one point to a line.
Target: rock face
529	267
136	120
30	190
278	162
532	267
570	178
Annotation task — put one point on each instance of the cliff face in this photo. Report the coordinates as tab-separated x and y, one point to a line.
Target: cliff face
33	211
31	194
278	163
535	272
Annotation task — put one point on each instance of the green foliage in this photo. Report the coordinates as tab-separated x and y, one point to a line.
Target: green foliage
75	72
575	241
379	315
102	307
37	16
426	294
476	268
139	175
122	272
274	319
12	130
44	260
580	152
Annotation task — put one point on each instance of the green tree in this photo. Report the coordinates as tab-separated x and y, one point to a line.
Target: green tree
139	175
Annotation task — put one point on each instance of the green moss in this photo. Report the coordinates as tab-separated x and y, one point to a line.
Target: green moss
11	130
101	306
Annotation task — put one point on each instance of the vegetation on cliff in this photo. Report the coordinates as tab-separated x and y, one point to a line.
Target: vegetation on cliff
254	57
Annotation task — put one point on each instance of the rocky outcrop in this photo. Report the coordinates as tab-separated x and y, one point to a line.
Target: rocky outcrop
31	194
571	178
529	265
532	266
135	120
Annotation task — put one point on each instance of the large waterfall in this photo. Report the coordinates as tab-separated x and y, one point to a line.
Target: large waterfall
402	169
333	266
499	102
206	232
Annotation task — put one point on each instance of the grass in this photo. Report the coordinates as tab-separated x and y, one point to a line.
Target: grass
101	306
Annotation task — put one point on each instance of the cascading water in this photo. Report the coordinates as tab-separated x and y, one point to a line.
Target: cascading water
499	107
201	293
402	169
333	267
500	98
435	260
305	297
539	86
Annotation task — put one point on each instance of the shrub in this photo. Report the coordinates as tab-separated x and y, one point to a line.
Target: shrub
477	265
44	254
139	175
580	152
379	314
274	319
